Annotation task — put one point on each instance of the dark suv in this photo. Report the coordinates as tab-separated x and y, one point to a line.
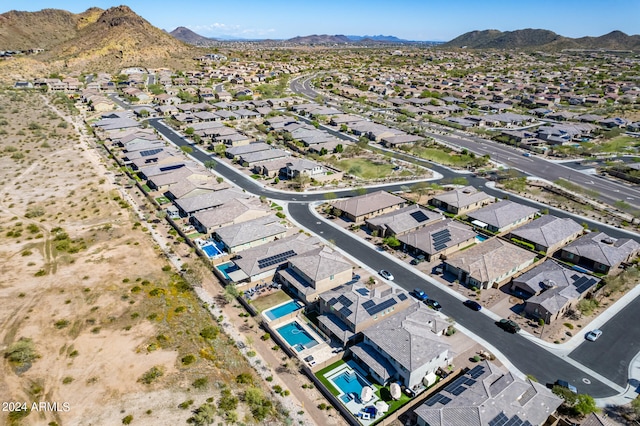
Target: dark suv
509	325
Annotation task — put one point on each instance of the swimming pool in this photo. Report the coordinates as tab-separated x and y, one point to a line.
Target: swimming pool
213	249
296	336
349	381
225	268
481	238
282	310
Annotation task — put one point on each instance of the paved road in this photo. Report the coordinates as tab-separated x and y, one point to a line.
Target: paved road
609	191
527	356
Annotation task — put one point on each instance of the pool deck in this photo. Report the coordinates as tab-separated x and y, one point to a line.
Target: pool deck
320	352
354	406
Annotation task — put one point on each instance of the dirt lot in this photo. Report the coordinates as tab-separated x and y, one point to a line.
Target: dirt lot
90	305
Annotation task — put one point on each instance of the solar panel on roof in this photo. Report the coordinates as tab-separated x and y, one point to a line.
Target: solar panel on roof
457	391
363	291
454	385
441	232
419	216
345	300
476	371
149	152
345	311
470	382
434	399
402	297
332	301
499	420
368	304
514	421
273	260
445	400
381	306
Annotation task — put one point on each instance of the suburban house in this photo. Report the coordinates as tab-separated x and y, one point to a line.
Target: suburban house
502	216
191	205
347	310
551	289
599	252
252	158
360	208
436	239
461	200
238	151
488	395
164	181
252	233
488	264
232	212
192	188
314	272
404	347
548	233
401	221
262	262
300	166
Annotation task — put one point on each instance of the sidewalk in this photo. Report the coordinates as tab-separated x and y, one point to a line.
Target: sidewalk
560	350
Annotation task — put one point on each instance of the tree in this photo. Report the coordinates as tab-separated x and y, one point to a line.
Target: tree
231	292
338	149
203	415
585	405
391	241
301	180
186	149
220	150
344	128
323	151
189	131
210	164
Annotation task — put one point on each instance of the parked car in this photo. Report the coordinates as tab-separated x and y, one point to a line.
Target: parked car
593	335
438	270
509	325
526	154
433	304
417	260
471	304
386	275
566	385
419	294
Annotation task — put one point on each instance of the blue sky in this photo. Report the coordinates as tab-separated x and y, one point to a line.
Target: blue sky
408	19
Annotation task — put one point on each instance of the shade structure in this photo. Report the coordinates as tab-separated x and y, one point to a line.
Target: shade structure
367	394
395	391
382	406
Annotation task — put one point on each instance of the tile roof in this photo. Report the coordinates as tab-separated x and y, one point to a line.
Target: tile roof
250	231
485	394
320	264
550	274
424	240
210	200
548	230
463	197
408	336
503	213
603	249
368	203
231	211
489	260
405	219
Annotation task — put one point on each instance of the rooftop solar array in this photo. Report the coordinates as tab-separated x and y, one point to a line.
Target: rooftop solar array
345	300
476	371
502	420
583	283
363	291
402	297
274	260
149	152
419	216
345	311
381	306
444	400
369	304
440	239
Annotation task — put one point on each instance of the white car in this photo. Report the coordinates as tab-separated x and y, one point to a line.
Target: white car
386	275
593	335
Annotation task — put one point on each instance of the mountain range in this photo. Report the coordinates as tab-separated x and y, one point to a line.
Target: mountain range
542	39
92	40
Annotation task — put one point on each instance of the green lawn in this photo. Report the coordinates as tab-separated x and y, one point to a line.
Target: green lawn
618	144
364	168
441	157
384	394
163	200
262	303
146	188
327	384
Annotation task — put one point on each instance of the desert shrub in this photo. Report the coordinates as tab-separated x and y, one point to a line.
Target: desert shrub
151	375
188	359
210	332
21	352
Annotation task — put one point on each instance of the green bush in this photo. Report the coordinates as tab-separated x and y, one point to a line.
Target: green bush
188	359
244	378
186	404
200	383
151	375
210	332
127	419
21	352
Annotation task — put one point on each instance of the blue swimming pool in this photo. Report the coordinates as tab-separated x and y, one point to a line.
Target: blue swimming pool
282	310
225	268
481	238
349	381
296	336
